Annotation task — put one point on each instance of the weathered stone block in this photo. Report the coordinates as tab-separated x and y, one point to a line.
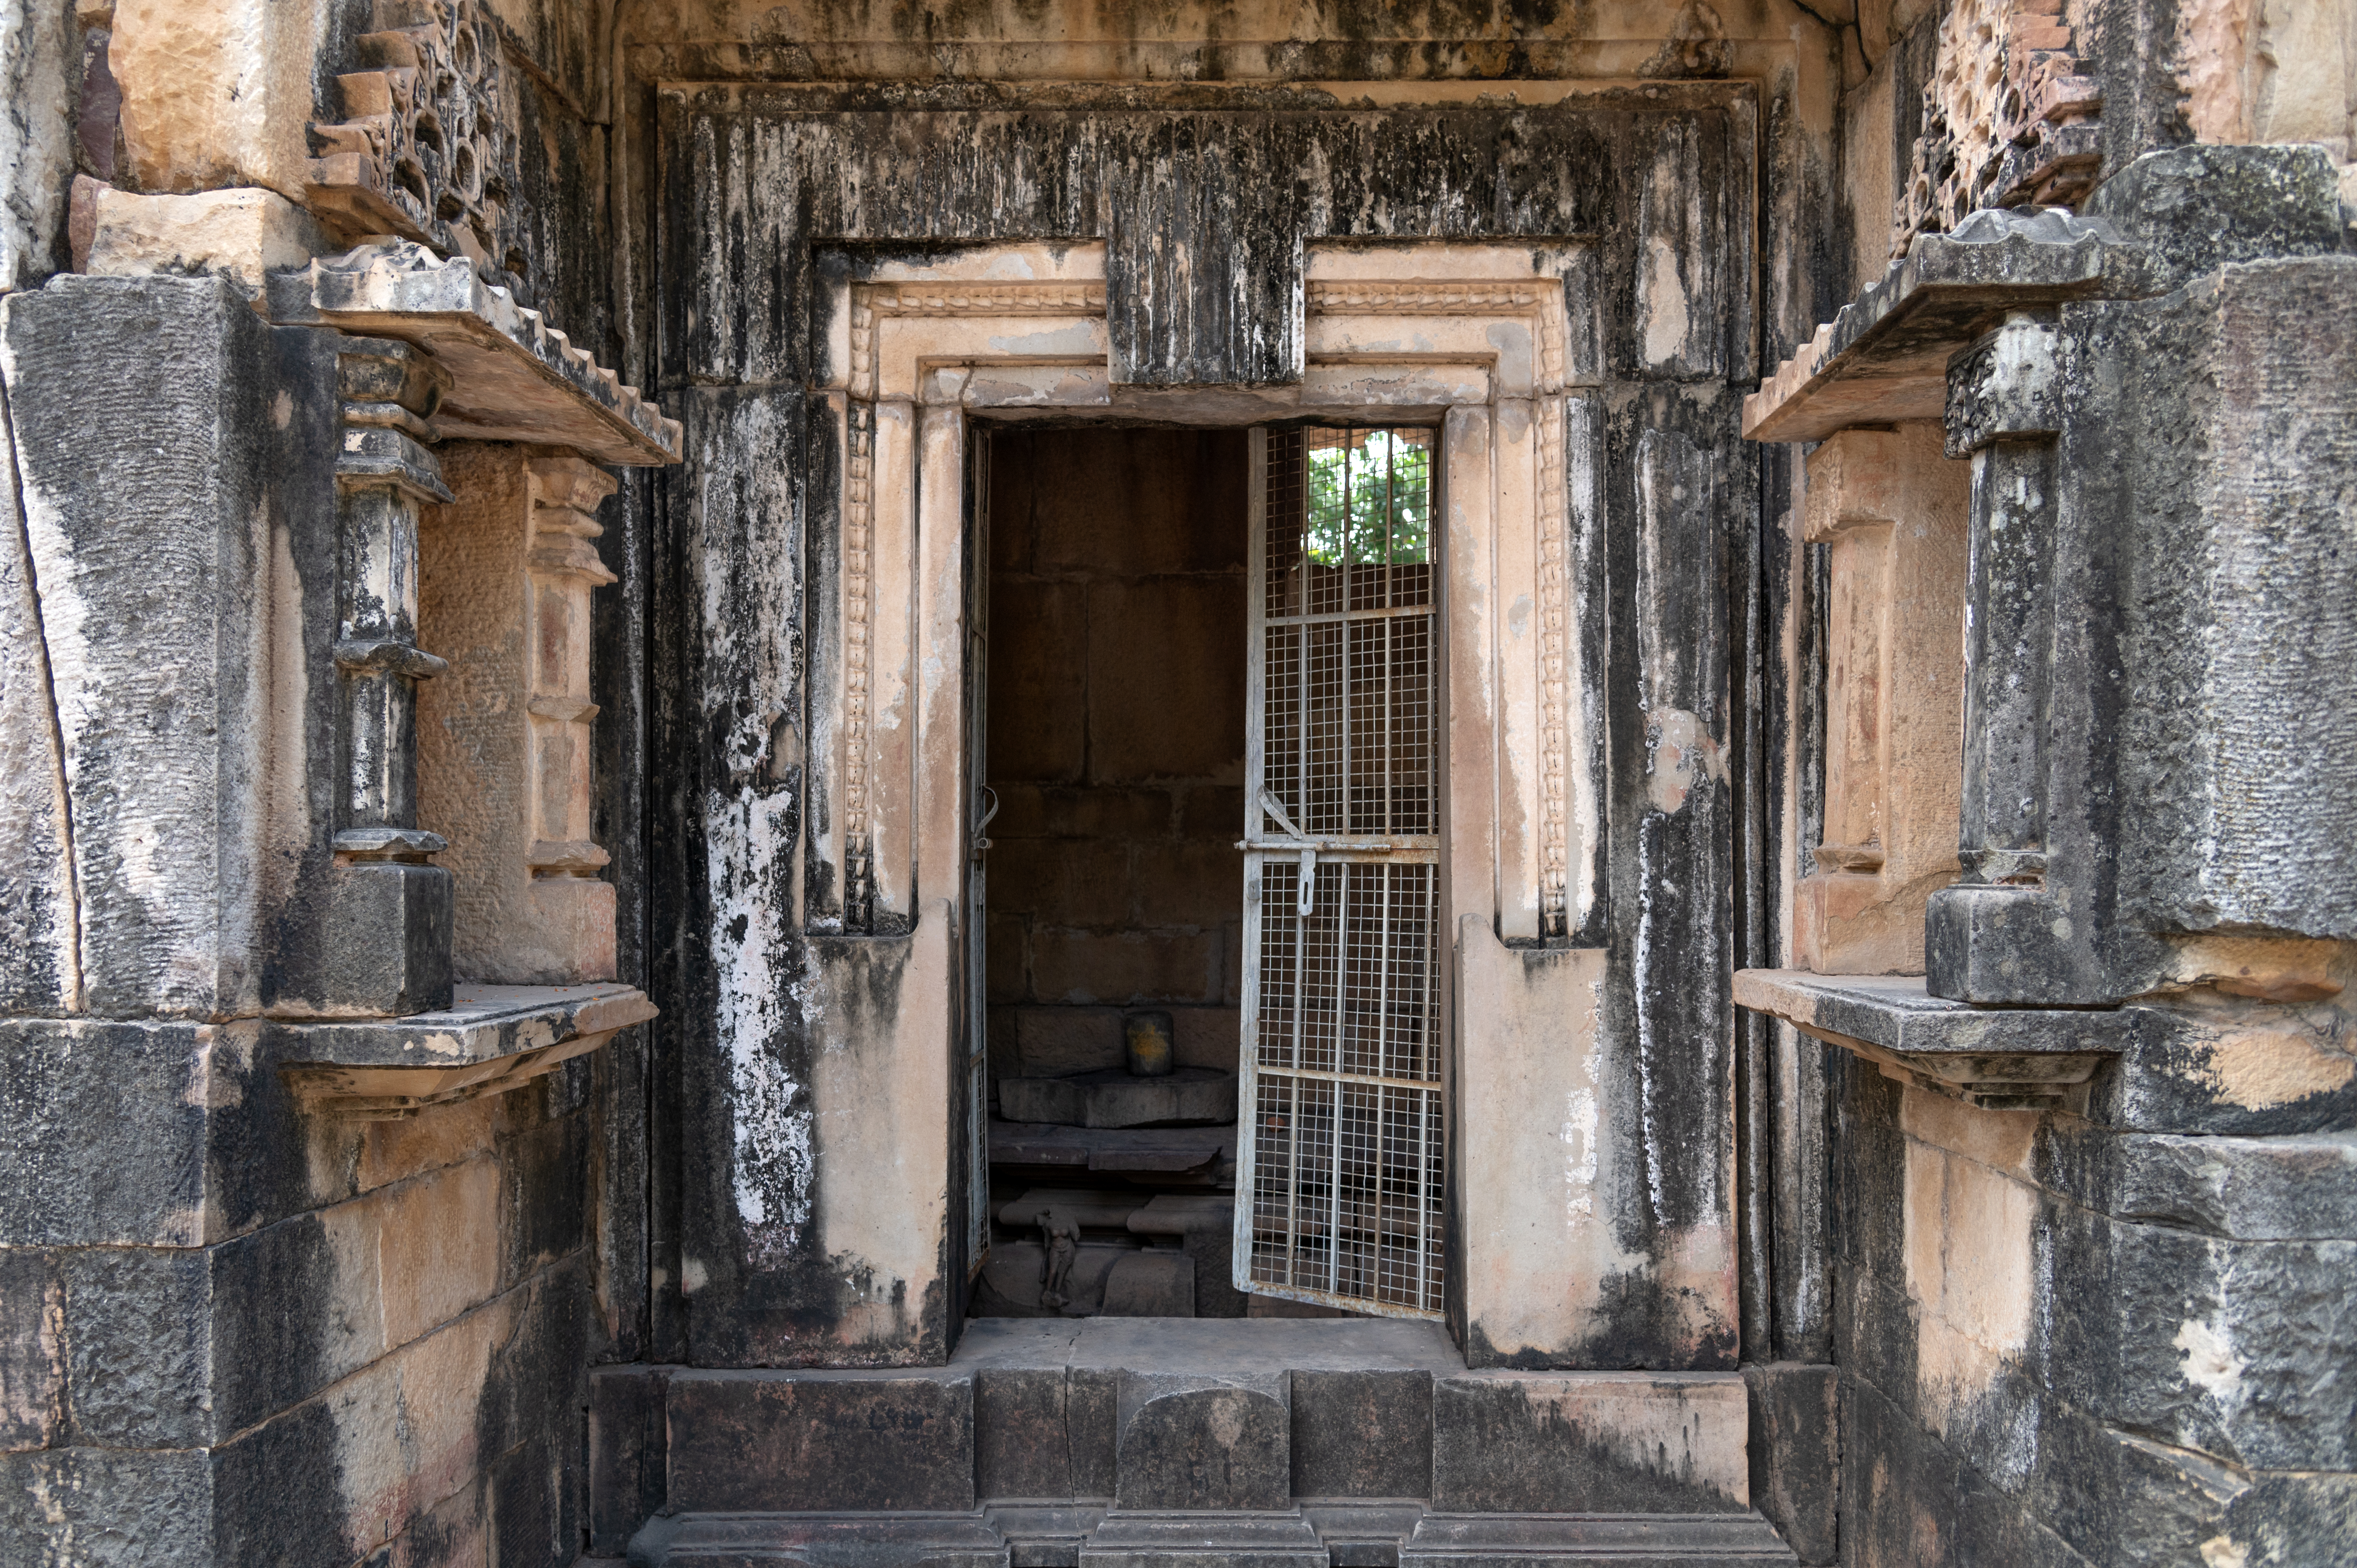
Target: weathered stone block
1208	1037
1125	967
627	1454
2245	1349
1902	1485
2202	208
1024	1438
1150	1284
145	1508
1191	727
139	1332
217	95
1169	482
2251	1188
1038	728
40	963
1794	1451
1112	1097
383	947
37	152
1589	1442
1194	1540
1055	1041
32	1349
1363	1434
240	234
822	1442
1194	1441
104	1125
157	477
296	1305
439	1249
1199	883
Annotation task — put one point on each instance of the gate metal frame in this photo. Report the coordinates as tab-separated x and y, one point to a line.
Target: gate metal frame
1272	839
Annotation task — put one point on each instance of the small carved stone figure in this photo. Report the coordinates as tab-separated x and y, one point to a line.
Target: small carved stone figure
1062	1240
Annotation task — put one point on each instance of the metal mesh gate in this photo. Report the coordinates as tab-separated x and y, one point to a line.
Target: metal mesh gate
1344	1167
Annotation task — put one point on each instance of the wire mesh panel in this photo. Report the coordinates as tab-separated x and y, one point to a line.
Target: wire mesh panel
1345	1161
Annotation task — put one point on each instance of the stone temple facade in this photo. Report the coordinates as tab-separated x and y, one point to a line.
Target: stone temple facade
1314	784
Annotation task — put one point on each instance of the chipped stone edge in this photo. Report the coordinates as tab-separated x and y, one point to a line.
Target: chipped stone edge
384	287
2013	270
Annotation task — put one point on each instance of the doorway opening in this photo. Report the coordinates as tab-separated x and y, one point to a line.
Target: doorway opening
1207	735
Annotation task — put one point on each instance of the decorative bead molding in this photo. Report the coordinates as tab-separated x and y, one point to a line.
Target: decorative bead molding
1555	675
859	607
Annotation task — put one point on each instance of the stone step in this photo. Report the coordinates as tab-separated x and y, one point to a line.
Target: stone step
1168	1443
1010	1537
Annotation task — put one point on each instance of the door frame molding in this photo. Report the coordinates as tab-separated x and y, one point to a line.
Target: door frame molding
1472	337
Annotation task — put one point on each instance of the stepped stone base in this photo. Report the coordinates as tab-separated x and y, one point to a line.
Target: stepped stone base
1176	1443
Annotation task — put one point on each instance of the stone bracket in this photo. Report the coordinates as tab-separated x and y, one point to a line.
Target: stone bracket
490	1039
1997	1058
514	377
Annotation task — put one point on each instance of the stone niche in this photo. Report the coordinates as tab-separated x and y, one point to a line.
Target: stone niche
1891	510
505	759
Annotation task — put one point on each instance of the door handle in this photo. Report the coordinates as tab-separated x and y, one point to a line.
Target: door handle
1305	900
988	798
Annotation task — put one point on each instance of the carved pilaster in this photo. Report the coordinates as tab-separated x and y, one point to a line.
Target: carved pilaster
1996	936
386	935
565	567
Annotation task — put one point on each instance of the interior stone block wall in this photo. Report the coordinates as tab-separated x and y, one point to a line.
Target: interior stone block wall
1115	741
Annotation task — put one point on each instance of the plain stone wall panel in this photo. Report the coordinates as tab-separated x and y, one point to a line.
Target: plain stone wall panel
157	442
2238	799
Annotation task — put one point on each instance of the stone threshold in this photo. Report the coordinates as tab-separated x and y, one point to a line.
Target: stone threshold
490	1039
2000	1057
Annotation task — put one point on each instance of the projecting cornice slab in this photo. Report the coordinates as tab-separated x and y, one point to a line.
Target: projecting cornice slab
489	1040
1990	1056
1884	358
514	377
